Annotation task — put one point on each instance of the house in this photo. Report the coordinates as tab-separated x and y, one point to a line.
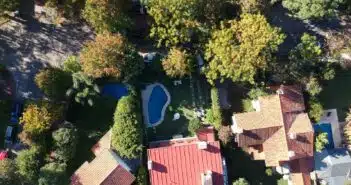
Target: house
278	132
187	161
333	167
106	169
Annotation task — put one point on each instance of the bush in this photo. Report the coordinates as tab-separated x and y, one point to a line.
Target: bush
247	105
53	82
253	6
72	65
127	131
8	172
321	141
217	118
36	120
315	109
194	125
142	178
65	143
8	5
269	172
257	92
313	88
241	181
111	56
225	134
53	174
28	164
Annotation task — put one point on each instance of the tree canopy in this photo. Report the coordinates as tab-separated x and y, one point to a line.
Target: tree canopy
321	141
107	15
65	143
241	47
241	181
53	174
111	56
36	119
28	164
8	172
127	131
72	65
54	82
178	63
8	5
312	9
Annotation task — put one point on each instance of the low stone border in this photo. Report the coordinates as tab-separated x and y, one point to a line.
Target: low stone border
146	96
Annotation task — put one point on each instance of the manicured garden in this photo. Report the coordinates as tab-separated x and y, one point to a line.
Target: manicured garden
336	93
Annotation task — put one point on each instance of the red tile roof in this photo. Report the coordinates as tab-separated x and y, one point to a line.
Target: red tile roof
119	176
182	162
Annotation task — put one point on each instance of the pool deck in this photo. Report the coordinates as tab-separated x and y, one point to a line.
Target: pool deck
335	125
145	94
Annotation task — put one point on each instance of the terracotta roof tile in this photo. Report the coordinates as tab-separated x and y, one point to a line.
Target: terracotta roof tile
101	168
256	136
183	164
297	123
103	143
292	98
276	148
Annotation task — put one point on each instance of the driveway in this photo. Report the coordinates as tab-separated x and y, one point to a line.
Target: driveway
28	45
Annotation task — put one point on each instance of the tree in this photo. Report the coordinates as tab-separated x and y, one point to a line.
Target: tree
53	174
241	181
28	164
194	125
321	141
53	82
111	55
65	143
214	115
36	120
8	172
8	5
107	15
312	9
240	48
127	131
225	134
315	109
313	87
84	89
142	178
253	6
178	63
72	65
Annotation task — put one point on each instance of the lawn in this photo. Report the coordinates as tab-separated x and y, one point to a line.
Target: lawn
92	123
337	93
192	93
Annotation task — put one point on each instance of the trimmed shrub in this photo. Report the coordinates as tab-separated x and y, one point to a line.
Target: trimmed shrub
72	65
28	165
53	174
8	172
65	143
315	110
194	125
217	118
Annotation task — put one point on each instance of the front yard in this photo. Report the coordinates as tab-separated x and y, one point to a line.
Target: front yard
336	93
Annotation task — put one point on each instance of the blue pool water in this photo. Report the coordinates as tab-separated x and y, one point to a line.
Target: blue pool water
115	90
158	99
325	127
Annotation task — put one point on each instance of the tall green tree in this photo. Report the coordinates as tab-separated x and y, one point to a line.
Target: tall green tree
8	172
107	15
111	56
53	174
54	82
127	131
36	120
8	5
72	65
241	47
312	9
321	141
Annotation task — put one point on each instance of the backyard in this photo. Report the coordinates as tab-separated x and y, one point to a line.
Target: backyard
92	123
192	93
336	93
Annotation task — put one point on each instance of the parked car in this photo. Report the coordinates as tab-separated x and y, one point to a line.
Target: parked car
16	112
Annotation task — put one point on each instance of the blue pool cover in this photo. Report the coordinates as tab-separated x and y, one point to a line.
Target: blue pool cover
158	99
325	127
115	90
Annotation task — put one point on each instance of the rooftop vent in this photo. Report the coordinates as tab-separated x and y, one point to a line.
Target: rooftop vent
280	91
291	154
292	136
206	178
256	105
202	145
149	164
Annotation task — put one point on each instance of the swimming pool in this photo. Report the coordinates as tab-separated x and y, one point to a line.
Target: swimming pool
325	127
115	90
156	99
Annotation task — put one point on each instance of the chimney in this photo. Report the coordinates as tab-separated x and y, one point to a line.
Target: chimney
291	154
206	178
149	165
280	91
292	136
235	128
202	145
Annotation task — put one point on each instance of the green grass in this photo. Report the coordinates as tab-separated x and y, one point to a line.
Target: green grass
5	111
337	93
92	123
